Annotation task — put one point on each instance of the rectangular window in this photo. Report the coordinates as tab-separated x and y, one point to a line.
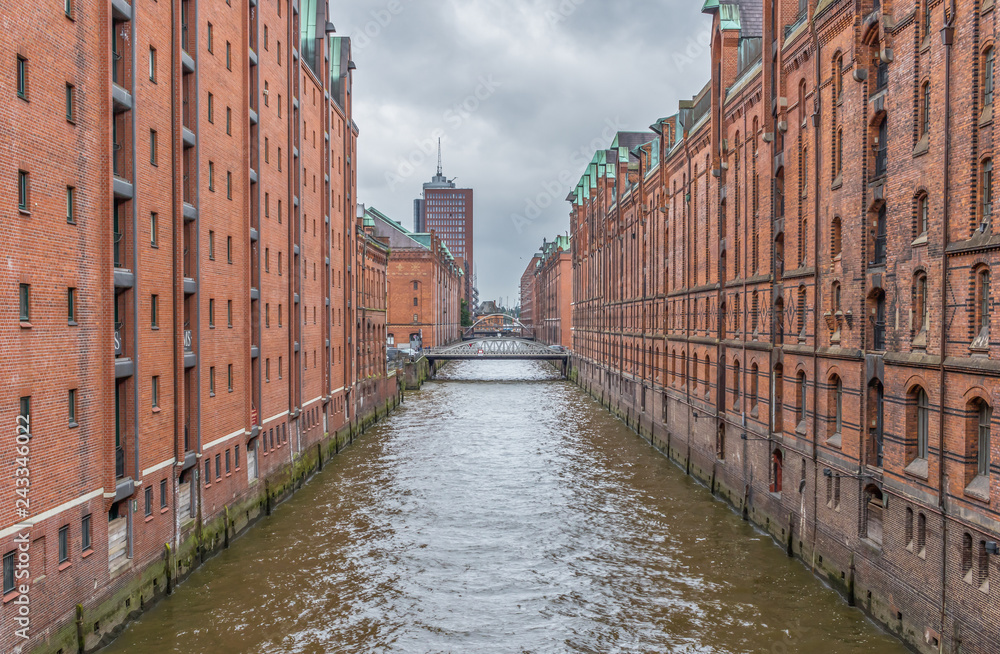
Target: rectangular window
22	77
152	64
211	108
211	313
279	367
70	205
211	381
218	467
70	103
279	58
8	572
152	147
155	392
85	543
229	313
265	37
236	457
71	406
267	205
208	471
209	36
229	56
25	302
228	469
229	121
68	8
163	493
64	544
267	151
279	320
71	305
154	311
229	185
211	176
267	370
22	191
154	229
24	411
149	501
229	249
267	259
211	245
279	149
230	373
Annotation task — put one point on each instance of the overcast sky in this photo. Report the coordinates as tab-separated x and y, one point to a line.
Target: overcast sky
521	91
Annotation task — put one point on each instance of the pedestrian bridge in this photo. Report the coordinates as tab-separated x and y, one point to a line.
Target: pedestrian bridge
497	348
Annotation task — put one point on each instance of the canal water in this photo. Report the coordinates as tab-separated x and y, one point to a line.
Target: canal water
501	509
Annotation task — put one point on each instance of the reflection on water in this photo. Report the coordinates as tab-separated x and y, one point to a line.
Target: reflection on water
502	510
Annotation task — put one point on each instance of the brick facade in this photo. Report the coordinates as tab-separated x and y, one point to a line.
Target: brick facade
228	308
785	285
547	292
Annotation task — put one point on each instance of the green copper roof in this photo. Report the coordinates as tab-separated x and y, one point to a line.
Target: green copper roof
729	17
710	5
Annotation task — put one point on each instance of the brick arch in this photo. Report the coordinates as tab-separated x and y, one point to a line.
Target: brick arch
978	393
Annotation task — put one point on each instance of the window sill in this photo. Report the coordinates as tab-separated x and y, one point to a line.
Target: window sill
155	328
64	565
73	425
24	212
148	518
837	182
836	440
923	146
211	393
157	409
86	554
12	595
920	240
25	324
979	488
72	323
987	6
926	44
917	468
986	117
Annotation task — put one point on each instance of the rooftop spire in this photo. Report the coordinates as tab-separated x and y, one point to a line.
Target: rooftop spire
439	156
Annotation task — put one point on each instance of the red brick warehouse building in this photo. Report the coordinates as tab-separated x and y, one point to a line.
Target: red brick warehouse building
185	276
426	285
786	284
547	293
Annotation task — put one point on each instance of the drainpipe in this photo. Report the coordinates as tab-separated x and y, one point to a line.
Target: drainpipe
817	105
948	40
178	306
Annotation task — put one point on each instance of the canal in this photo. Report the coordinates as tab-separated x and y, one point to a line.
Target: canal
502	510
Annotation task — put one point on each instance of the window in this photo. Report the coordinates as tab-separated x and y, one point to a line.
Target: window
22	77
24	414
909	528
736	384
8	572
415	285
25	302
838	77
923	214
986	204
211	108
64	544
983	444
921	540
838	158
229	185
236	457
838	404
923	423
163	493
881	147
984	564
800	392
155	392
279	56
229	313
967	555
279	367
921	306
925	109
982	323
230	376
152	147
414	301
988	77
148	501
267	370
211	381
229	55
229	249
211	176
218	467
154	229
873	511
228	463
265	37
22	191
71	305
70	102
229	121
776	471
85	534
154	311
152	64
209	37
71	406
208	471
211	245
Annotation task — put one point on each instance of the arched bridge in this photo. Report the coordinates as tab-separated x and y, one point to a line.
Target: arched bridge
497	324
497	348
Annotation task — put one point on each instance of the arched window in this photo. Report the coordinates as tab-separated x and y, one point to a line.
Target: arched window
754	308
801	309
984	563
779	320
877	304
982	315
925	109
876	411
777	383
923	214
835	297
836	405
777	463
923	423
836	237
988	57
736	384
708	374
909	528
838	153
874	508
800	398
779	193
879	234
802	100
921	545
753	386
881	148
838	77
984	414
986	185
921	306
967	556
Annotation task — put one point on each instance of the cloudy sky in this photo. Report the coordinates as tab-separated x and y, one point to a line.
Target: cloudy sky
521	91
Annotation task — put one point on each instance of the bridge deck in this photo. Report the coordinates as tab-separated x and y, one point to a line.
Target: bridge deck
497	348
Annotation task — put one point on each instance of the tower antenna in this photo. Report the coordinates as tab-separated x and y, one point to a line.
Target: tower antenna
439	156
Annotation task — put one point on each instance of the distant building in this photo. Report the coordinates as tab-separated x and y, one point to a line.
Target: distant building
425	285
448	211
527	292
547	293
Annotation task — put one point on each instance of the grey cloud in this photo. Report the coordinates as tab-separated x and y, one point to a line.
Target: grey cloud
563	69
